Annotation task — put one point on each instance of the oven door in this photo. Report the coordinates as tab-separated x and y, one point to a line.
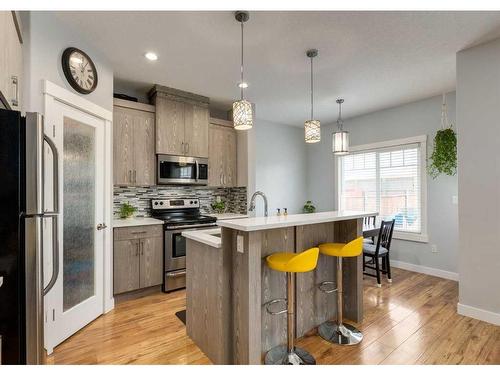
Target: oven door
175	246
182	170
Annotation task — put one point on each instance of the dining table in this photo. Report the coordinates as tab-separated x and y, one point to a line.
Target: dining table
370	231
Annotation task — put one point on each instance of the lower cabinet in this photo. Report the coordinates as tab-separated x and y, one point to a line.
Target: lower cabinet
137	258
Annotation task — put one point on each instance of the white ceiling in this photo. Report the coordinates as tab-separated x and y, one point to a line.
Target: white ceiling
374	60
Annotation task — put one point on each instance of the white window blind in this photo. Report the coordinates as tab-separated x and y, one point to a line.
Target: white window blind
387	180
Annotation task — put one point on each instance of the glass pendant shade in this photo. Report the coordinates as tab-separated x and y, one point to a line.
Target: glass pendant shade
242	109
312	131
312	128
242	115
340	144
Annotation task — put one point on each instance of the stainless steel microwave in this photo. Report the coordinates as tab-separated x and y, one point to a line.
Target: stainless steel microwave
182	170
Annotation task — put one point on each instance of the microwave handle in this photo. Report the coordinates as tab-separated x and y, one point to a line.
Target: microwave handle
197	170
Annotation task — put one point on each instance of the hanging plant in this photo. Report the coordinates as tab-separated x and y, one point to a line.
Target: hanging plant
444	155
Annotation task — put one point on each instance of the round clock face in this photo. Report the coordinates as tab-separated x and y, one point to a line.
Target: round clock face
79	70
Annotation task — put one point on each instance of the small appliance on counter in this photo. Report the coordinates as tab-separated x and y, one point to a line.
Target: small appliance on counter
179	215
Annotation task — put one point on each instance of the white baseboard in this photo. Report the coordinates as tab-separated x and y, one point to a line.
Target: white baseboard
474	312
425	270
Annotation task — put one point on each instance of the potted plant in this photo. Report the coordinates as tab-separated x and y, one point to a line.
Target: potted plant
127	210
444	155
219	206
309	208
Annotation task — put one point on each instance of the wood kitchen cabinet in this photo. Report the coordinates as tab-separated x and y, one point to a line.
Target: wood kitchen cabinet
222	158
182	120
133	143
137	258
11	60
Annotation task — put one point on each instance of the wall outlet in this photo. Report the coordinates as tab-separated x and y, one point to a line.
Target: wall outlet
434	248
240	248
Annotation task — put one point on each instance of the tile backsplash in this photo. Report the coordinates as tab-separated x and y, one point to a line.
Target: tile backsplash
140	197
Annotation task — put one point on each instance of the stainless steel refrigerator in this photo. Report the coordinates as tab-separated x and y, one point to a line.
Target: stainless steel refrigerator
22	212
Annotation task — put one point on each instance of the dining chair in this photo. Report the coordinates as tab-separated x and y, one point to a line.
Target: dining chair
379	251
369	221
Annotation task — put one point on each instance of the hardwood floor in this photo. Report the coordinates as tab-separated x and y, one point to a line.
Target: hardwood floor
411	321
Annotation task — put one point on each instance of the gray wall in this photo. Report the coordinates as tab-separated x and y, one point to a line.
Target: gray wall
413	119
45	38
280	166
478	120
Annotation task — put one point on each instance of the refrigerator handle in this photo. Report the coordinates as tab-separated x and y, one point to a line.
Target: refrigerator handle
55	175
55	254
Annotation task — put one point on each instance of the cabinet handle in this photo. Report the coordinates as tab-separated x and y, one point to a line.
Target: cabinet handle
15	83
130	176
220	180
182	148
135	176
224	179
139	232
187	148
142	247
137	249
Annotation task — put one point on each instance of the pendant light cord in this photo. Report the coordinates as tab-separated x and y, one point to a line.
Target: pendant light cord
312	91
241	82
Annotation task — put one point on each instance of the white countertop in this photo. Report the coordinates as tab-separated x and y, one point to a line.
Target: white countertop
136	221
271	222
228	216
205	236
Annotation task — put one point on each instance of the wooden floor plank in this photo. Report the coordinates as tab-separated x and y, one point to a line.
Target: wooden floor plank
411	321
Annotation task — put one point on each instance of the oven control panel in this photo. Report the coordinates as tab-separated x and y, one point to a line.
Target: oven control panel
174	203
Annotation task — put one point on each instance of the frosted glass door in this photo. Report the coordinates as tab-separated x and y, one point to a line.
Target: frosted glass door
79	212
77	297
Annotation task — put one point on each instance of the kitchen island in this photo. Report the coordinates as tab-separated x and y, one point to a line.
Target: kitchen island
228	282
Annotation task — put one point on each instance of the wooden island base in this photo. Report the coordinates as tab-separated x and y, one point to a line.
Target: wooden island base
227	289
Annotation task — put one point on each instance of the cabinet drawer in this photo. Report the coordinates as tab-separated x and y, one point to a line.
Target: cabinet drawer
130	233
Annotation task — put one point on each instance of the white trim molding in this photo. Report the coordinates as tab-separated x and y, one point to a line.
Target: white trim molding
423	236
63	95
425	270
480	314
53	92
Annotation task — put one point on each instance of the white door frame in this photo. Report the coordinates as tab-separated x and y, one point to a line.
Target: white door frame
51	92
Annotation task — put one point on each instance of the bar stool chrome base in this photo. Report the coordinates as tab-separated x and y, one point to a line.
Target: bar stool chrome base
279	355
345	334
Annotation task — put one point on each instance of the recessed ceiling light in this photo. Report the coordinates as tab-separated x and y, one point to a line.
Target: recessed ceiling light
151	56
242	85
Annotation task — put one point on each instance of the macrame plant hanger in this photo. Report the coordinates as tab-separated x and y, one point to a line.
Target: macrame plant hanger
445	124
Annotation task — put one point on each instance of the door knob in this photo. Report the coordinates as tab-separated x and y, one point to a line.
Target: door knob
101	226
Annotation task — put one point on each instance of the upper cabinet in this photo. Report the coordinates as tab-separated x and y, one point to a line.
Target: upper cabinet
133	143
222	154
182	120
11	60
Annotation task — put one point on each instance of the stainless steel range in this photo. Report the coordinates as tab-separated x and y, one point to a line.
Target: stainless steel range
179	215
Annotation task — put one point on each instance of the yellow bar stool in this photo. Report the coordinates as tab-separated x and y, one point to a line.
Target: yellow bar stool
338	332
290	263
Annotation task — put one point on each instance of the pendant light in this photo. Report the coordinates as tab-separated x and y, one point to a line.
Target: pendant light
312	131
242	109
340	142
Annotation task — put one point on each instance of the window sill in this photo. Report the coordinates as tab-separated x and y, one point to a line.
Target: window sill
415	237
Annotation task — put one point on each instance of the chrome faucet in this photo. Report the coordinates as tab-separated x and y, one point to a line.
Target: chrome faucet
252	202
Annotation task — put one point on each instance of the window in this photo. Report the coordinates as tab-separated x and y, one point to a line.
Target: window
390	178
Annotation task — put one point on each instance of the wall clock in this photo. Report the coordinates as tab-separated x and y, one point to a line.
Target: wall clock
79	70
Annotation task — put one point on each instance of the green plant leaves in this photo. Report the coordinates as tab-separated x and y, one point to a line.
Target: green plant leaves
444	155
127	210
309	208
